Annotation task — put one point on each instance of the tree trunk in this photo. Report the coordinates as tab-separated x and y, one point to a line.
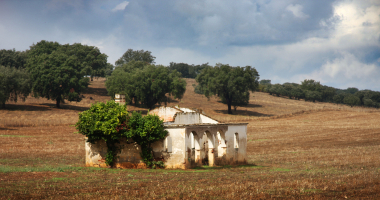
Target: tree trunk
3	105
92	78
58	101
229	108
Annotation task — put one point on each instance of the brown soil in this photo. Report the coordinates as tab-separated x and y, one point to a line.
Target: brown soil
296	149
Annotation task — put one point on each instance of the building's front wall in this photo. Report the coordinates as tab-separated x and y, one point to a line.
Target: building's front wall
216	144
236	155
173	148
129	156
184	147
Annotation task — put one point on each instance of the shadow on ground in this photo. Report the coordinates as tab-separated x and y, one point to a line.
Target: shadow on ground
244	113
95	91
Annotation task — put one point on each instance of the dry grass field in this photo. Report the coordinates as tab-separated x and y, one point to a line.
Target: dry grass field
296	150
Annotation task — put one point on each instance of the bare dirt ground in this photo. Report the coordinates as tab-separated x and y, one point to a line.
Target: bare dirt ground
296	149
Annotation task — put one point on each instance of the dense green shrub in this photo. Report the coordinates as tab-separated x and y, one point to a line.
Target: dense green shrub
351	100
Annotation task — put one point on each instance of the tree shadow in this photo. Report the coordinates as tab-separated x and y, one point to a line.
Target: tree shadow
6	128
246	106
18	107
252	106
244	113
206	167
67	107
95	91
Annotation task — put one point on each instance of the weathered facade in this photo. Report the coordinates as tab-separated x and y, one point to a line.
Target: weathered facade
194	139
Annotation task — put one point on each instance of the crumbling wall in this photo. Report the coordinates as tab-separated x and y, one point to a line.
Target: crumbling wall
165	113
129	156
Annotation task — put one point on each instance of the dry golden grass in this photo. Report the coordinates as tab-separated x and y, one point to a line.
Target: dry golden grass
296	149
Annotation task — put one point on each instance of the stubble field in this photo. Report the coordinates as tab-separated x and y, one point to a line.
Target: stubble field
296	149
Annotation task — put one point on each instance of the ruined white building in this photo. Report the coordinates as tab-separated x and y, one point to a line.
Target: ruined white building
194	139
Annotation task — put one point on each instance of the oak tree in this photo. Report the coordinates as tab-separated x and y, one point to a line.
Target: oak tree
229	83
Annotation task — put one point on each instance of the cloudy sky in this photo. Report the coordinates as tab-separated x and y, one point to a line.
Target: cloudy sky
334	42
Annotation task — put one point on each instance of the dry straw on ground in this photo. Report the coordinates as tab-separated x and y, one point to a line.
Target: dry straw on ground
296	149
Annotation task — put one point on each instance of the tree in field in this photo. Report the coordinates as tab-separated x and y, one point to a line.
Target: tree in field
351	100
13	58
109	69
92	61
58	70
14	84
276	89
145	84
228	83
328	93
352	90
311	85
187	71
265	82
138	55
313	96
297	93
338	98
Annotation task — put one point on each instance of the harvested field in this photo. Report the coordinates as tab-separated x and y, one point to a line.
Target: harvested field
296	149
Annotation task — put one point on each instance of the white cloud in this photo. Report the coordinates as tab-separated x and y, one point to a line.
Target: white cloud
345	71
297	11
120	6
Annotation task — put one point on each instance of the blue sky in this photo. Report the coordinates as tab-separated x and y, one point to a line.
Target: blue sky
334	42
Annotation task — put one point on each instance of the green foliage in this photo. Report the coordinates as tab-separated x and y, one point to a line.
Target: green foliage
145	84
58	70
339	97
138	55
313	96
111	122
311	85
92	61
14	84
297	93
230	84
351	100
187	71
276	89
13	58
352	90
265	82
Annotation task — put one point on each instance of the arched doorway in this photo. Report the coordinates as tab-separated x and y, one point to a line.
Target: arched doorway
221	144
236	146
195	154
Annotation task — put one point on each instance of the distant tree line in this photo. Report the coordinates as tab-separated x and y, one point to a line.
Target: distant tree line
311	90
51	70
187	71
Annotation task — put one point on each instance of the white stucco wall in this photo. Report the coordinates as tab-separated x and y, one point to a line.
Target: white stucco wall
232	155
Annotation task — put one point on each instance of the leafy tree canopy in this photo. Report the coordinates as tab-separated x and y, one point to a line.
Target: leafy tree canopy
14	84
137	55
311	85
265	82
228	83
13	58
351	100
187	71
145	84
58	70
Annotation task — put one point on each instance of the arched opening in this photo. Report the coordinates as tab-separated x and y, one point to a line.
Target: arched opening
221	144
195	154
236	141
209	149
236	145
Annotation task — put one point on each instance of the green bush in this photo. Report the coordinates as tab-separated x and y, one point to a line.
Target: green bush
351	100
111	122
